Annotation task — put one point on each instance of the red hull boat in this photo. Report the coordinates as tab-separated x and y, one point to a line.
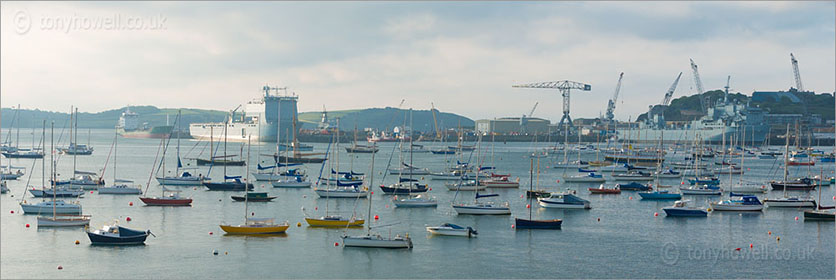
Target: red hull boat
156	201
604	191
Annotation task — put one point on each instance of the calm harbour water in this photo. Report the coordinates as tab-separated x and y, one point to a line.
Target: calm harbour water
627	242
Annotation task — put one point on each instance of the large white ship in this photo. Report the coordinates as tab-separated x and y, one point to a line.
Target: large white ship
259	115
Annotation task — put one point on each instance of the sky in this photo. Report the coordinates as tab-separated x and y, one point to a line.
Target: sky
462	57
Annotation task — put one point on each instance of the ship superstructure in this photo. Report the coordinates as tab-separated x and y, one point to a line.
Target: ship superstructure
275	106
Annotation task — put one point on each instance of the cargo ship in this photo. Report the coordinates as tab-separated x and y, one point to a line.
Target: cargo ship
259	120
130	127
723	120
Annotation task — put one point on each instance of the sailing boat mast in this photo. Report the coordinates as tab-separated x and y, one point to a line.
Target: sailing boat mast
247	181
786	158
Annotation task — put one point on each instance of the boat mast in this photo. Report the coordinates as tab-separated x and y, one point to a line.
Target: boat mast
247	183
226	128
179	130
786	158
530	185
371	183
52	166
115	143
75	145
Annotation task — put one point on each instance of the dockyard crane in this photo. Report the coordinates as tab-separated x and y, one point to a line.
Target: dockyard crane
565	87
798	85
669	94
524	119
611	104
698	82
435	123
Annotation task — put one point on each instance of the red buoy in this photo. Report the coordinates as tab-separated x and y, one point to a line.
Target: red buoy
513	226
128	219
91	192
796	218
371	192
27	225
737	249
376	217
210	233
60	267
13	211
528	206
751	245
130	204
336	244
655	214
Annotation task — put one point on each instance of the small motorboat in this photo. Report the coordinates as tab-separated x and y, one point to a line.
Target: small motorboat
169	198
254	197
235	185
604	190
749	188
63	220
56	192
564	200
500	182
452	230
797	162
291	182
185	179
790	201
746	203
466	186
711	181
114	234
819	215
57	207
537	193
681	208
633	186
591	177
537	224
352	191
670	173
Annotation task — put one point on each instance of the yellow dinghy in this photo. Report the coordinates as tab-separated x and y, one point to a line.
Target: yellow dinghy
334	221
257	226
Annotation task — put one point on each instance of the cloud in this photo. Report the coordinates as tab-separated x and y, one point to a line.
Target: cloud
461	56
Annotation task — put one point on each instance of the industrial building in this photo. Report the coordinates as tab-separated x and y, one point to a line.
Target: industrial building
513	126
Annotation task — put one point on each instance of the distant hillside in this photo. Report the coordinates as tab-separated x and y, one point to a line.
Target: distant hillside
377	118
682	108
107	119
387	118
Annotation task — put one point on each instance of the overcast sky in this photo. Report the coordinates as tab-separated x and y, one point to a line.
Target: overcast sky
462	56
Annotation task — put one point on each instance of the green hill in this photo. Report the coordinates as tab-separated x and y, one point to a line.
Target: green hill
387	118
378	118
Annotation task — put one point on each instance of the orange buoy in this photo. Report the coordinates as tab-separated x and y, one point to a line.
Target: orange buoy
27	225
128	219
769	232
130	204
298	224
778	238
376	217
76	242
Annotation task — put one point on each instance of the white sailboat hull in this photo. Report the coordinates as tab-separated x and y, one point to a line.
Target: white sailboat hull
178	181
377	241
584	179
291	184
119	190
481	210
632	178
789	203
340	194
454	187
735	207
73	209
63	222
448	231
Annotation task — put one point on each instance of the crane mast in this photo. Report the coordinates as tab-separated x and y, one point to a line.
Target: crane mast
564	86
669	94
611	103
798	85
698	82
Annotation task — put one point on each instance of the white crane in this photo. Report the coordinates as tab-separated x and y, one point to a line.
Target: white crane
703	101
669	94
611	103
798	85
564	86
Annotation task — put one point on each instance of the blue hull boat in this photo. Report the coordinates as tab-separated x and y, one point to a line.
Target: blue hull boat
633	186
227	186
705	181
117	235
673	212
660	195
410	190
537	224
